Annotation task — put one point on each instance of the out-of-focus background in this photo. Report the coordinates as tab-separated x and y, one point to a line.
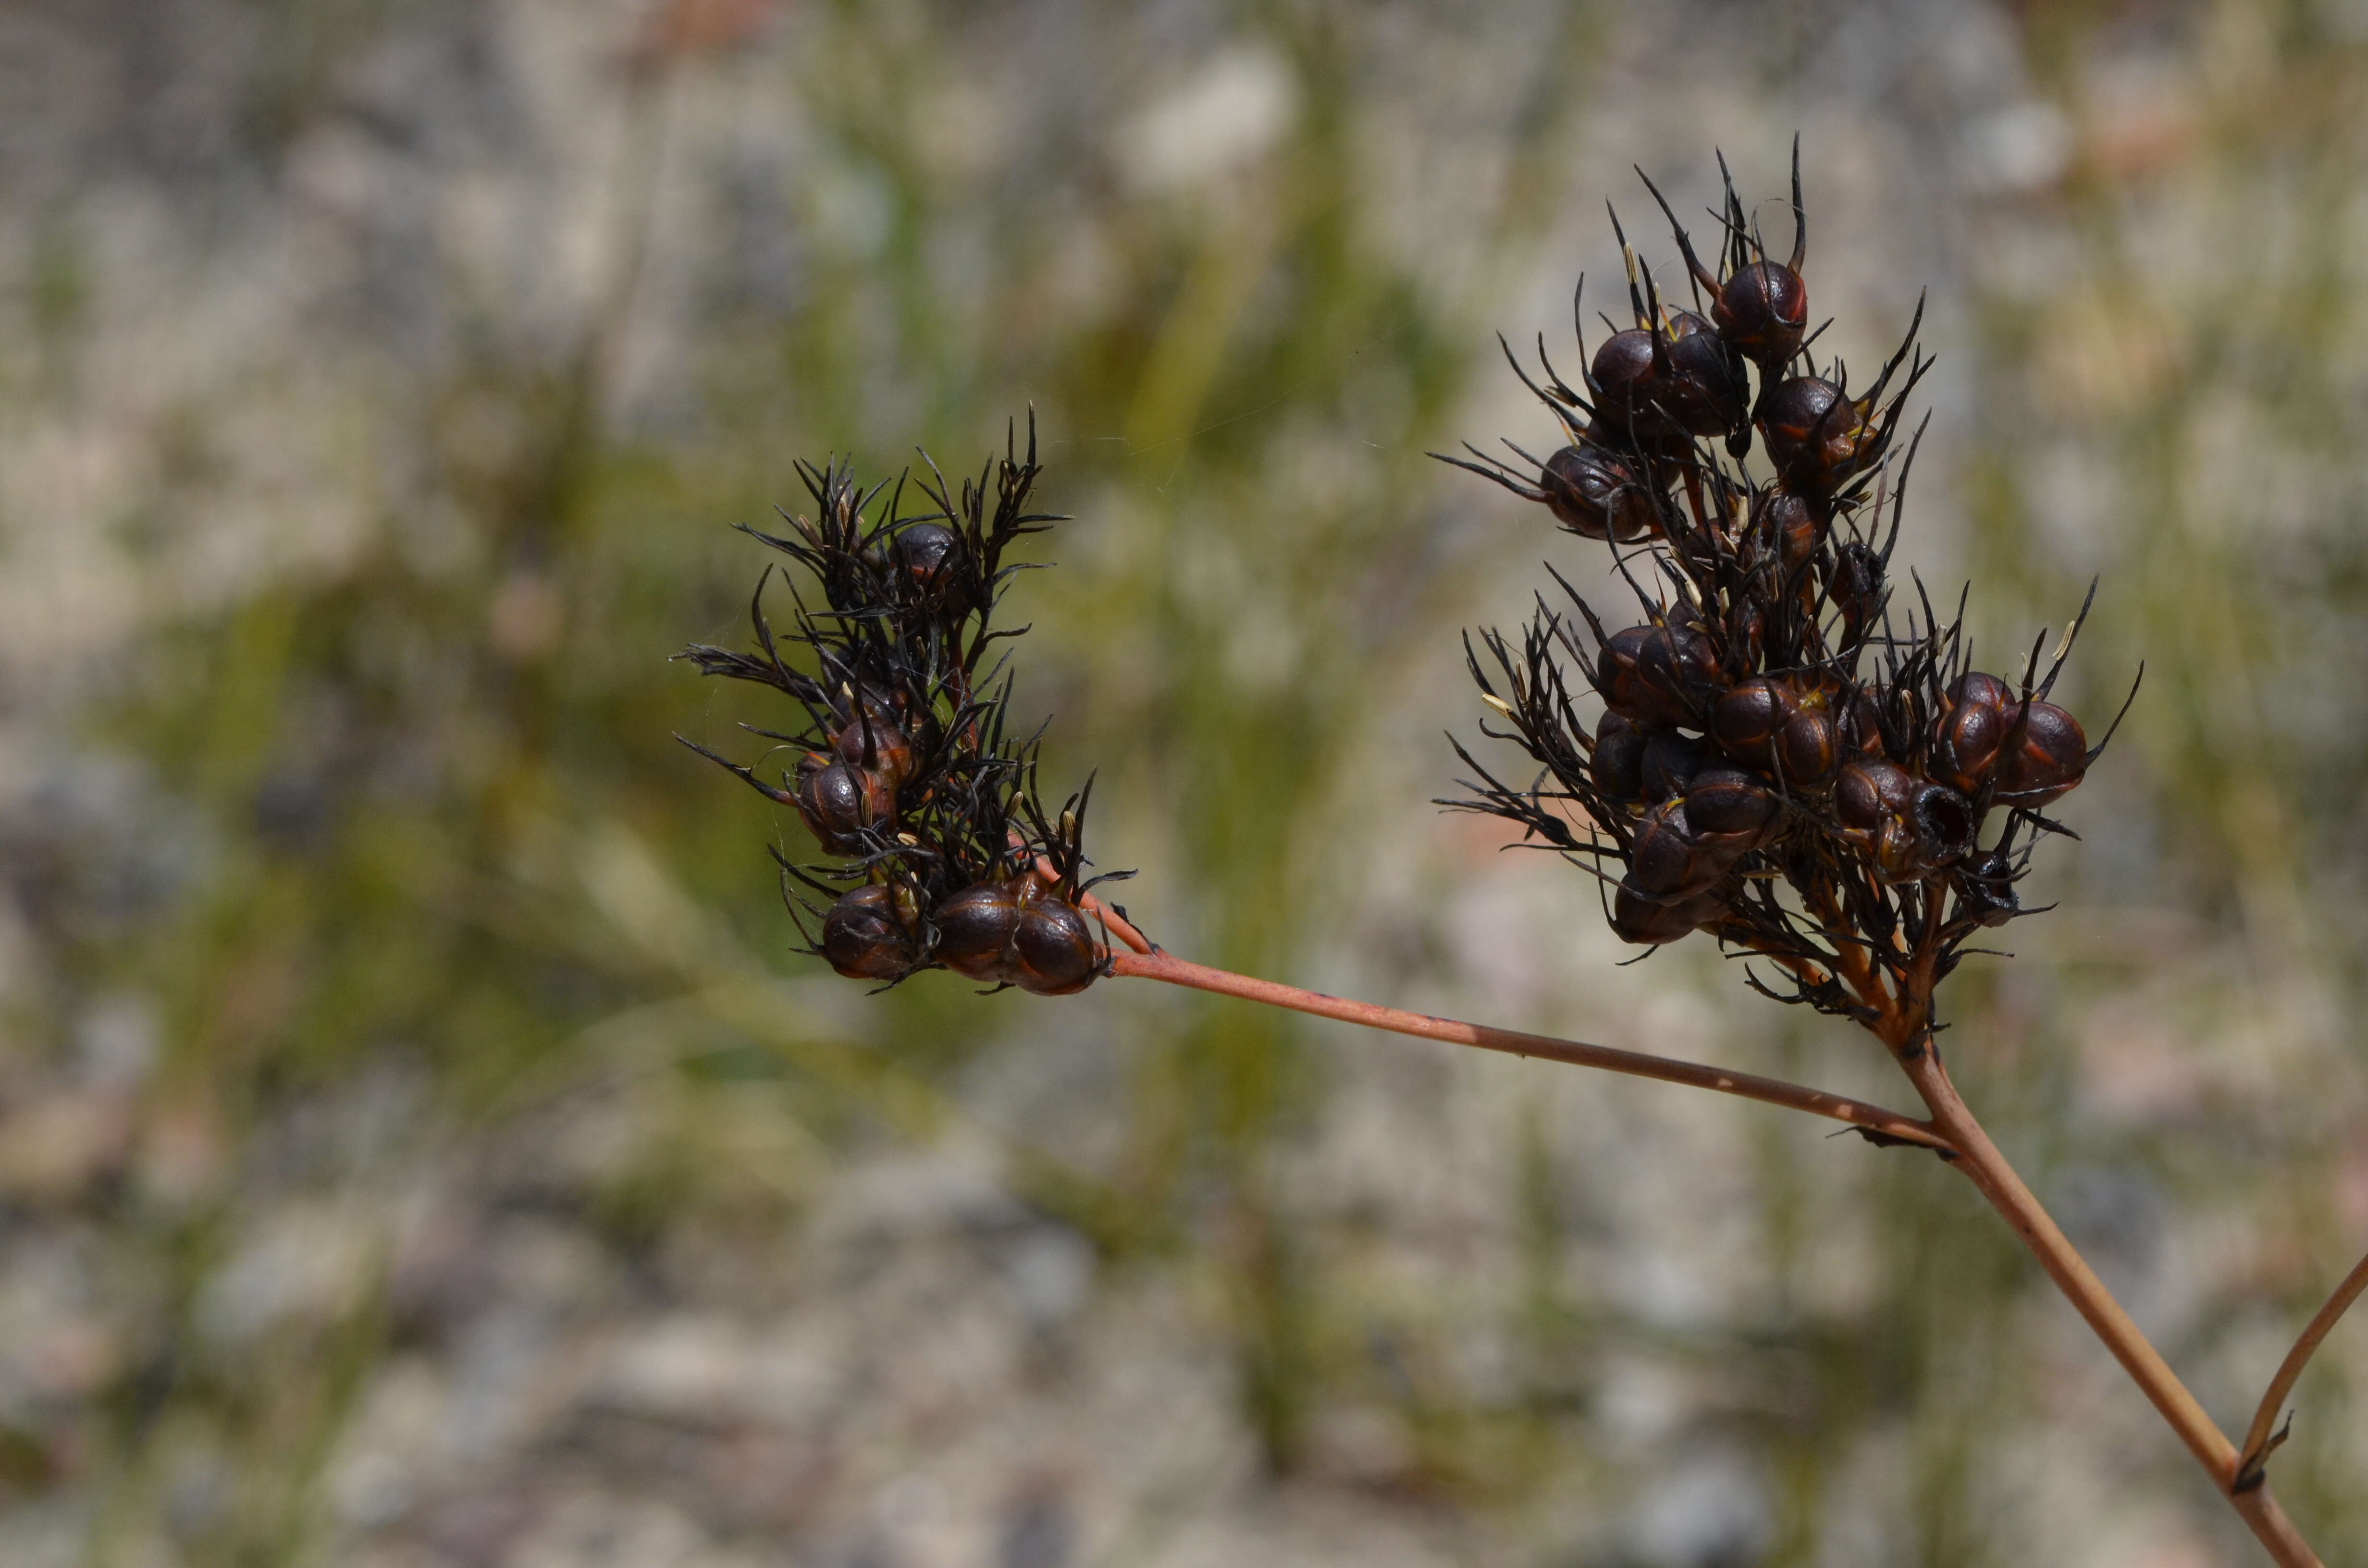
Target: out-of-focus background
418	1145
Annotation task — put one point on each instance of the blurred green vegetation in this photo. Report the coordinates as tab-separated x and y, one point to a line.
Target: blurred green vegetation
443	893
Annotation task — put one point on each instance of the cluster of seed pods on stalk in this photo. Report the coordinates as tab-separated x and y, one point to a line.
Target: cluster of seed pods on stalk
1771	722
901	765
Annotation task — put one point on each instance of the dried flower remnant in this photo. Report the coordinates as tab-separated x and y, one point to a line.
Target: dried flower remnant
905	769
1770	725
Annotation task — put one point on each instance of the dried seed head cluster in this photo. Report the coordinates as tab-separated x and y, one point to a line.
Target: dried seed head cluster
1770	724
902	766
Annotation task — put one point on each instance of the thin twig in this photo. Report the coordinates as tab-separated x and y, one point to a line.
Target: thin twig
2259	1442
1872	1119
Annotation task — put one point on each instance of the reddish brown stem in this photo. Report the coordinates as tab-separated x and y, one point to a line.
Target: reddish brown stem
2259	1440
1769	1091
1904	1024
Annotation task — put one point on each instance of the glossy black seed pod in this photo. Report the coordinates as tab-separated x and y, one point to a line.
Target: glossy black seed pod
1618	763
1669	765
863	936
975	928
1986	689
930	553
2047	757
837	802
875	745
1763	309
1770	723
1791	527
1818	438
1649	923
1053	952
1869	791
1965	742
1700	381
1661	676
1627	393
1667	862
1745	723
1598	494
1732	812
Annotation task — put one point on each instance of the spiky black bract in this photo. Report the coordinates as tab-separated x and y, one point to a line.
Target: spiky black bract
902	760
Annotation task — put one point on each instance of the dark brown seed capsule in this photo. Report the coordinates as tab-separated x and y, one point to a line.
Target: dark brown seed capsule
837	802
1869	791
874	744
1987	690
1701	382
1624	387
975	928
1965	742
1660	675
1818	438
1860	726
1053	953
1730	813
1668	863
1763	309
1669	765
1808	749
930	554
1746	722
1598	494
1791	527
863	938
1986	888
1639	919
1618	763
2047	757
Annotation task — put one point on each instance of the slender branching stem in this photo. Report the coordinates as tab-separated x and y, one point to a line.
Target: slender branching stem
2259	1440
1874	1119
1904	1023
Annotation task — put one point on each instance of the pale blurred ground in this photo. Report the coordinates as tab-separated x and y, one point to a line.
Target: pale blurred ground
417	1146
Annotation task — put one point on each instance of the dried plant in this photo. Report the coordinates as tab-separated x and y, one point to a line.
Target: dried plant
1792	756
